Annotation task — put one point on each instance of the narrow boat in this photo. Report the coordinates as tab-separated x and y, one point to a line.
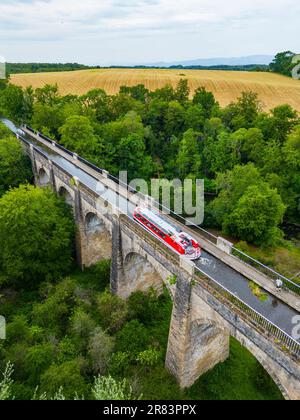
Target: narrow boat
169	233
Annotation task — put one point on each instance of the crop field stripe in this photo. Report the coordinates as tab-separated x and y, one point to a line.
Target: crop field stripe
272	89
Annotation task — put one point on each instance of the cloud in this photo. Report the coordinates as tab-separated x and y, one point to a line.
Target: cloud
40	17
70	21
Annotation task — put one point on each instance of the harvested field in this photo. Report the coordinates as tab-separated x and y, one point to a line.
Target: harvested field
273	89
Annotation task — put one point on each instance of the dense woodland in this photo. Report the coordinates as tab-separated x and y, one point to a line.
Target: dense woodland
249	158
15	68
64	327
67	336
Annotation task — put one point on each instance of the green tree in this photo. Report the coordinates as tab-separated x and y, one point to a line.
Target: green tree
243	113
4	131
248	145
4	82
77	134
165	94
272	158
99	102
231	186
221	153
138	92
284	119
131	157
290	174
257	216
122	104
28	99
48	118
206	100
194	118
174	119
189	159
292	150
12	103
282	63
36	233
114	132
15	166
155	117
47	95
213	127
182	91
72	106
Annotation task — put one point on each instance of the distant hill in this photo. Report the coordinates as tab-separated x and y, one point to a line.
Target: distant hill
208	62
254	62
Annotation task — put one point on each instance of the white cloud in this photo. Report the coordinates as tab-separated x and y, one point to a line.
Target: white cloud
25	24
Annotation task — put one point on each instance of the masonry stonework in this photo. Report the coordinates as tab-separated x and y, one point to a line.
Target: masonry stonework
202	321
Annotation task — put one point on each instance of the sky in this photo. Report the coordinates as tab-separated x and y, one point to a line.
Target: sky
106	32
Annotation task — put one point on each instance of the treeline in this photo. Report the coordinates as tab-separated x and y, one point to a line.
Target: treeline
248	157
282	63
14	68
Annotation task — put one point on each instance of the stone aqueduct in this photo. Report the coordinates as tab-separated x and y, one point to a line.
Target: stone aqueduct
202	320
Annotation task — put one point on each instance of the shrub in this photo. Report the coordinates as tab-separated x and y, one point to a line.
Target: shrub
6	383
133	338
100	348
66	376
108	388
112	311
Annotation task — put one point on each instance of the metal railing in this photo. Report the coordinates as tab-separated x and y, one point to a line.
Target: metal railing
213	239
245	258
45	137
279	336
268	271
264	325
90	165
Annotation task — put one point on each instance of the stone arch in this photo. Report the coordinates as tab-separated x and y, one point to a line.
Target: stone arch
43	177
96	240
208	338
63	192
279	376
140	274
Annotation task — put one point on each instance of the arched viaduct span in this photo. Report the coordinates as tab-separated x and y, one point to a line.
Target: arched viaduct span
204	314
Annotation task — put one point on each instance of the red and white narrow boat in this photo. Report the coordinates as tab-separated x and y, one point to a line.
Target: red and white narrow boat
168	233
